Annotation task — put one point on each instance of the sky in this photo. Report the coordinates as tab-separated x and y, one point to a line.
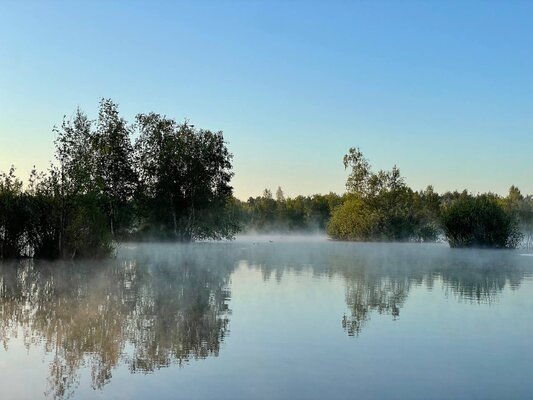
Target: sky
442	89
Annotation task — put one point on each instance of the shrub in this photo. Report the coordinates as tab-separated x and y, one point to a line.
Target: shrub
479	222
353	220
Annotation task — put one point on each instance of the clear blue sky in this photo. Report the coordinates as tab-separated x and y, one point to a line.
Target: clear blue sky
442	89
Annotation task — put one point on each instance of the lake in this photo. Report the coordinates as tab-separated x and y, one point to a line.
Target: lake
270	318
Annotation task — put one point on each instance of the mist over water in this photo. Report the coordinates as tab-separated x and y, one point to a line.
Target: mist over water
270	316
282	237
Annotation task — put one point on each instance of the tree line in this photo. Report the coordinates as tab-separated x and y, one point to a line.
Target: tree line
159	179
285	214
171	183
380	206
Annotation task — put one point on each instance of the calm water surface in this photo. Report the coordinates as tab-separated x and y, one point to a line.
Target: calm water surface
273	318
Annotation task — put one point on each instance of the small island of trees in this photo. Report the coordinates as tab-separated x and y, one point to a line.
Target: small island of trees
173	182
380	206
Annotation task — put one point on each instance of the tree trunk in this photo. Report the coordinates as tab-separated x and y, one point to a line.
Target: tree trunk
174	219
175	224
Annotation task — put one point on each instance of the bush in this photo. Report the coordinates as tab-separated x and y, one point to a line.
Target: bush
388	216
353	220
479	222
13	215
87	234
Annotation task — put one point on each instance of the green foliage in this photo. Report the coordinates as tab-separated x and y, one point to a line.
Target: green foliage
301	213
360	176
44	222
185	176
480	221
174	183
354	220
12	215
86	232
45	211
521	207
114	173
382	206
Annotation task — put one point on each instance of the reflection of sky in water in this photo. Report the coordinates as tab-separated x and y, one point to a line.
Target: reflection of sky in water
273	320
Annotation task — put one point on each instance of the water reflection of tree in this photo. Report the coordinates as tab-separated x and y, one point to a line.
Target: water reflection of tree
385	296
166	311
480	284
378	277
150	310
380	281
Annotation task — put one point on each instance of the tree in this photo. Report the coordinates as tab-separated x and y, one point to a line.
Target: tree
357	182
427	208
354	220
43	228
479	221
267	194
12	215
208	173
115	176
75	187
156	159
186	176
395	211
521	207
280	197
75	155
175	183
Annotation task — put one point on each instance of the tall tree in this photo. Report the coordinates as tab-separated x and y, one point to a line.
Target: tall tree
75	163
360	173
280	196
157	151
74	152
114	173
186	175
380	206
81	222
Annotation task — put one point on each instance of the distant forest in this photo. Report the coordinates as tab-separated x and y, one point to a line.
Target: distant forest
156	179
